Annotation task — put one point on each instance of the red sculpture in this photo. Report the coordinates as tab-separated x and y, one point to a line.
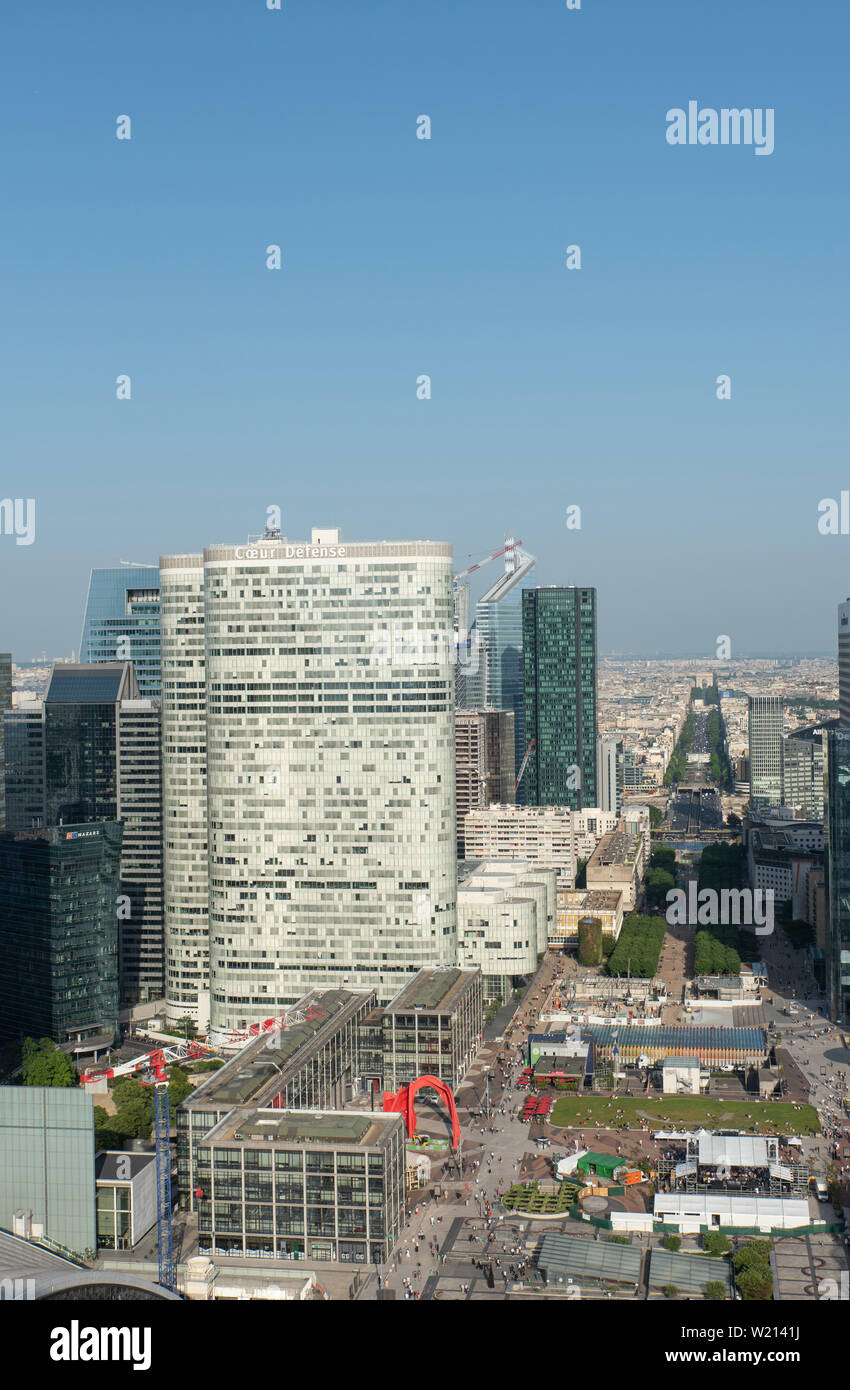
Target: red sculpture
403	1103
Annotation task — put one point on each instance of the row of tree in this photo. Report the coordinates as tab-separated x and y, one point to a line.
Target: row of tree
717	948
679	758
638	947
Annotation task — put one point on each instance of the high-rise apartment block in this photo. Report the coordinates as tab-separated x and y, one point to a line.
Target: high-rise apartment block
559	654
542	836
484	762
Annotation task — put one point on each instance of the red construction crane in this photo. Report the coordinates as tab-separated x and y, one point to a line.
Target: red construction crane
155	1061
524	765
457	579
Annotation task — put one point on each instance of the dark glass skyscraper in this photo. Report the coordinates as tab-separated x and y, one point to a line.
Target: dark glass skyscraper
81	740
121	622
5	703
559	656
59	932
102	762
838	872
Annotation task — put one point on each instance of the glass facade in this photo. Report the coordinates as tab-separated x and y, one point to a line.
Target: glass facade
24	741
81	741
303	1198
765	732
59	931
47	1148
5	704
121	621
838	873
307	1065
559	653
499	627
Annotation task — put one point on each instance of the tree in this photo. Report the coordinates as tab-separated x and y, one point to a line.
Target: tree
672	1243
129	1089
715	1291
755	1283
670	1291
733	821
658	884
179	1087
133	1120
713	1243
581	876
45	1065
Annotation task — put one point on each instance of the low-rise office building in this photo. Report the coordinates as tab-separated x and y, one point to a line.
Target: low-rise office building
433	1027
47	1165
312	1063
291	1184
126	1198
575	903
618	863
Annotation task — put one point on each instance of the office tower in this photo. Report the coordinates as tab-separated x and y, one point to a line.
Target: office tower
121	622
5	704
479	687
59	933
844	664
559	654
610	764
81	740
498	629
802	771
23	732
838	873
484	762
329	757
140	919
102	762
765	721
184	789
330	767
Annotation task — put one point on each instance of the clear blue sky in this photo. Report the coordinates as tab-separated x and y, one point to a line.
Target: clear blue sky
446	257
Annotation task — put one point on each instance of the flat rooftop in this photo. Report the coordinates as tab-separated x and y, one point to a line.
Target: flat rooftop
433	989
344	1128
273	1057
616	847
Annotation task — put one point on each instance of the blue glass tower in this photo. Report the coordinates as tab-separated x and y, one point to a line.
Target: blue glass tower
121	622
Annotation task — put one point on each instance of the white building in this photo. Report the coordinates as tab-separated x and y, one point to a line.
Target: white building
536	834
609	773
505	911
691	1211
328	750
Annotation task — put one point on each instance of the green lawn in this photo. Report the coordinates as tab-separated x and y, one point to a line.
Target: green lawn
687	1112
